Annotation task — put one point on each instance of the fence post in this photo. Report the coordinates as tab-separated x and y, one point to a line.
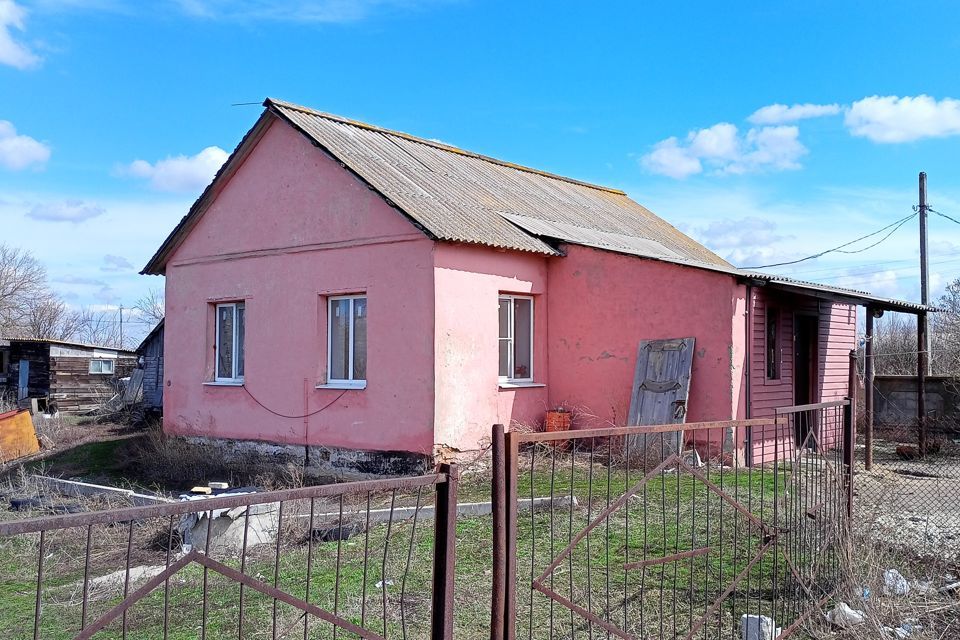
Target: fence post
849	440
444	553
498	495
512	449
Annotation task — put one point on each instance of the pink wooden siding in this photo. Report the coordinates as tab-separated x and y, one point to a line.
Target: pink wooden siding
837	334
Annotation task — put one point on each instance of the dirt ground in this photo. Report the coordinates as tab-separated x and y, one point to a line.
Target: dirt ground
913	504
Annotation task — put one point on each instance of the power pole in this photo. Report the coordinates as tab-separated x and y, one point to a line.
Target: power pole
121	326
924	282
923	332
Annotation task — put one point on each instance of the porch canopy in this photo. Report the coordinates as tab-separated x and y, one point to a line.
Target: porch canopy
875	306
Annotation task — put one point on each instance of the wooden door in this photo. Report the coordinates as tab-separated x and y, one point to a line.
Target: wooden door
806	379
661	387
23	387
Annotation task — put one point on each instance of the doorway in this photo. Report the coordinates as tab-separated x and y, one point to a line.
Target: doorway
806	361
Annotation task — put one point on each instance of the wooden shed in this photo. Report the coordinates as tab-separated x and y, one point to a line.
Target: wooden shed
150	353
73	376
4	366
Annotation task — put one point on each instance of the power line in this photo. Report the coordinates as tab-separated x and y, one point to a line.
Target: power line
856	274
943	215
840	249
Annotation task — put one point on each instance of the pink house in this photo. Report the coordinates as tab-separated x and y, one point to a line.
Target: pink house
366	299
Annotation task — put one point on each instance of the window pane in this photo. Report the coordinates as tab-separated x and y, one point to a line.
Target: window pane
107	366
773	348
241	326
504	358
94	366
522	338
225	341
360	339
339	339
504	317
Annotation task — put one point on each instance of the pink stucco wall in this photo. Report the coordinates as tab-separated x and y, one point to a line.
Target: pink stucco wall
289	228
468	281
603	304
292	227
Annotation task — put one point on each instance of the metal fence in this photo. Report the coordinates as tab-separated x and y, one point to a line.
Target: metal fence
369	559
654	532
908	473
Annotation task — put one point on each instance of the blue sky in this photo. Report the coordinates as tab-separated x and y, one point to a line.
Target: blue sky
114	115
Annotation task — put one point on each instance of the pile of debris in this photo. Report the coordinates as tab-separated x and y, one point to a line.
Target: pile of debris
900	602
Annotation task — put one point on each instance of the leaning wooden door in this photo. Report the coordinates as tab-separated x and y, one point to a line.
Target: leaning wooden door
661	387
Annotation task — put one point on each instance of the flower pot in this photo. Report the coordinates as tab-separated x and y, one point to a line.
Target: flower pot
558	420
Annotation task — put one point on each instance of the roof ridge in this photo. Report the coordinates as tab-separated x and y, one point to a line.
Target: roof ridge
437	145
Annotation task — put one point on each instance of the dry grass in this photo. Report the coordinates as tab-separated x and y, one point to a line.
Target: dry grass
930	613
162	462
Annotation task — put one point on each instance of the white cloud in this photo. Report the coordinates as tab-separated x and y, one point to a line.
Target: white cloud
669	158
180	173
14	53
80	280
115	263
19	151
776	148
65	211
724	150
781	113
895	119
316	11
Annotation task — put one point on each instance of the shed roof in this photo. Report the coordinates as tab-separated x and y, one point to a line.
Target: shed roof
838	294
70	343
157	328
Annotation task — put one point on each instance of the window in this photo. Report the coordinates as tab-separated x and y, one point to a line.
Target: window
101	366
347	340
773	344
516	338
229	342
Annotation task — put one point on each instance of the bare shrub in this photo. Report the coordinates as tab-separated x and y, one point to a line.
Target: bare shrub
168	462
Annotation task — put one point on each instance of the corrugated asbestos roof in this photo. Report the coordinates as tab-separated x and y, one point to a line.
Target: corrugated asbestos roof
852	295
71	343
459	196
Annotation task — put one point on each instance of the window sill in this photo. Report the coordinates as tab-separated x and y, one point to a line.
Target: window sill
224	383
343	385
505	384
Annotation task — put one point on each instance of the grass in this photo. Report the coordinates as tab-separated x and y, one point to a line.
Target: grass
670	514
98	459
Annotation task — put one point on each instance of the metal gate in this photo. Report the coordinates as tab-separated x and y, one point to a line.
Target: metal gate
371	559
667	544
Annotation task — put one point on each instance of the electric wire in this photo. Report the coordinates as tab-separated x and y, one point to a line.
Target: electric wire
893	226
943	215
299	417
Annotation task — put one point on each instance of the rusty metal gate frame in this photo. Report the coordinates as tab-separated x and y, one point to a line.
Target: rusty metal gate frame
445	483
506	446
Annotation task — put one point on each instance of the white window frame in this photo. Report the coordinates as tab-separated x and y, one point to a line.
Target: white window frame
511	326
235	378
102	362
351	382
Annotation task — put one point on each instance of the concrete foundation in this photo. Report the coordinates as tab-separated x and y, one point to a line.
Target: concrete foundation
317	461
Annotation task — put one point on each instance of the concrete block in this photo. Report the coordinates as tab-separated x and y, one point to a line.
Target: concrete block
754	627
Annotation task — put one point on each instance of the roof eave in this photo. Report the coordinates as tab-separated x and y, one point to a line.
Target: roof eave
833	294
157	264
